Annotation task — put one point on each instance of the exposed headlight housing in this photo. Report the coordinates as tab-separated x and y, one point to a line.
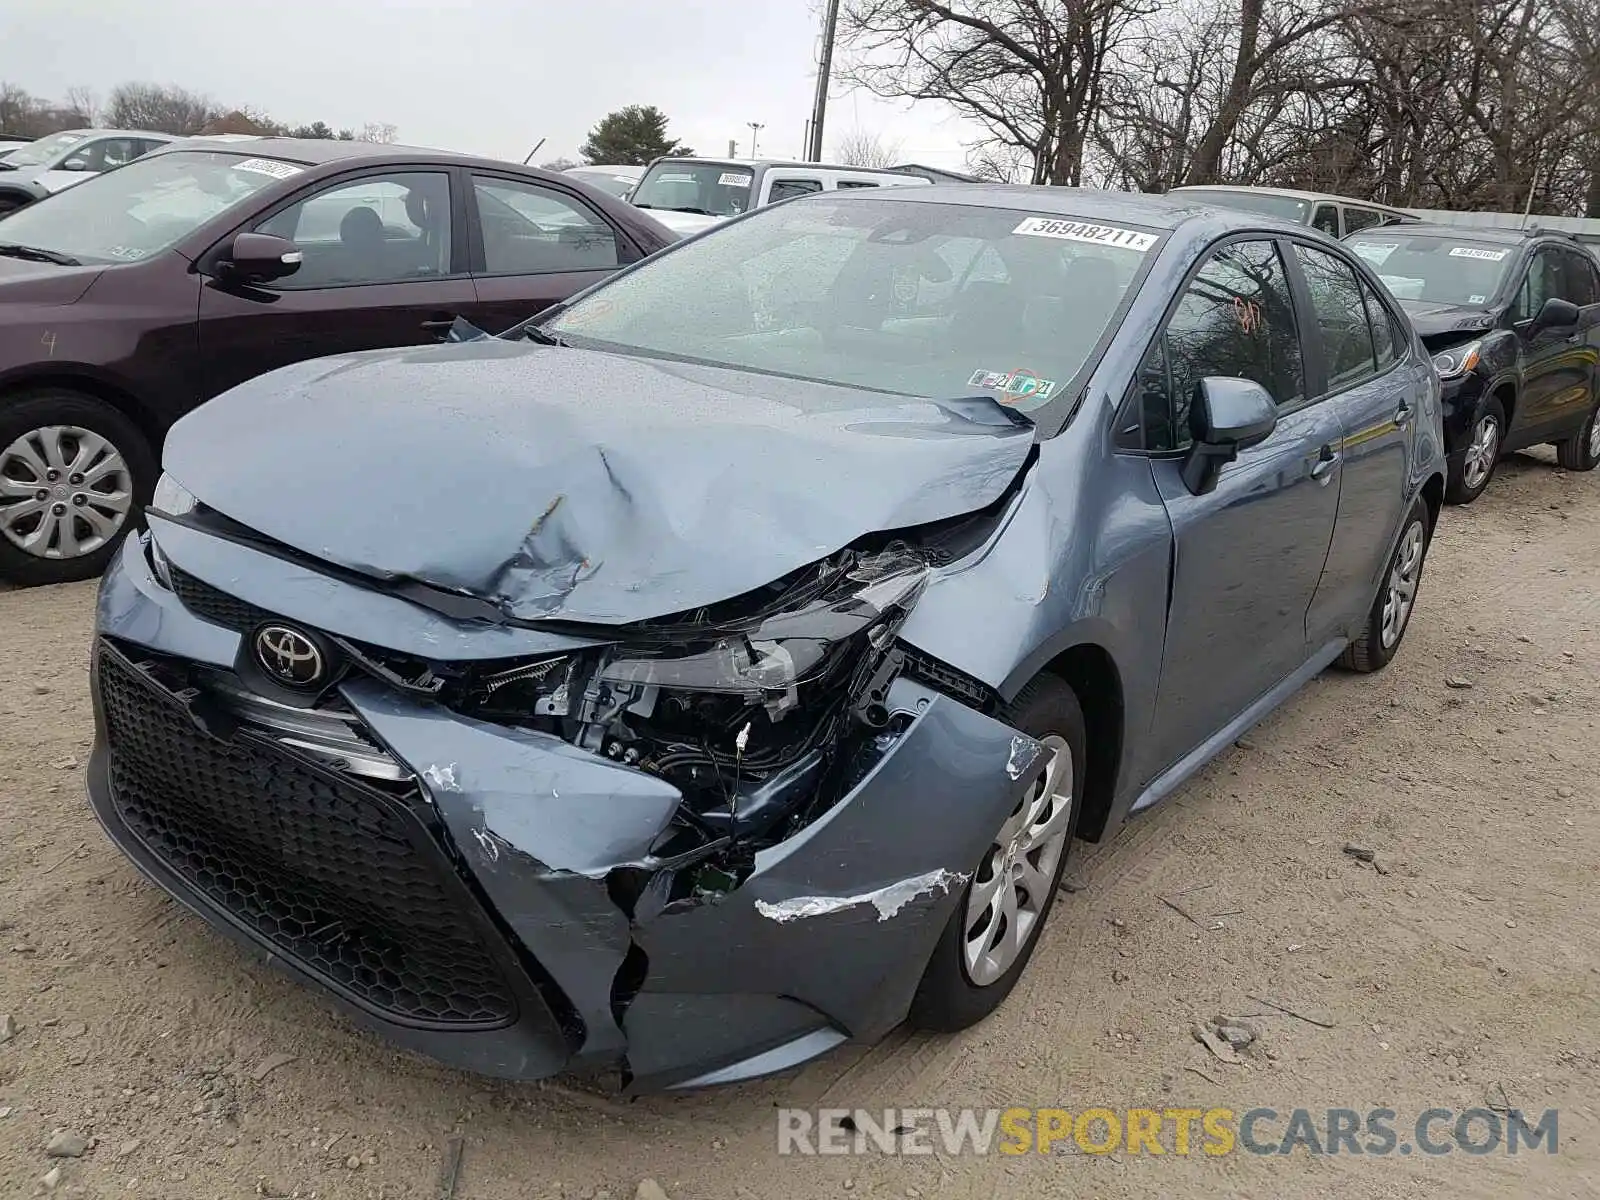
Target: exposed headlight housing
1457	360
171	498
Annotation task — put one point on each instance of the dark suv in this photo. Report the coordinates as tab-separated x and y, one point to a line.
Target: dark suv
1513	320
130	298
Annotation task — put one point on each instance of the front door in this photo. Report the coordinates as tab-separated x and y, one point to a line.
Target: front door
1249	554
382	267
1555	367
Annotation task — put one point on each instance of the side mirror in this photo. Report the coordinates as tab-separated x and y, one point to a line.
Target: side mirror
259	257
74	164
1226	416
1557	314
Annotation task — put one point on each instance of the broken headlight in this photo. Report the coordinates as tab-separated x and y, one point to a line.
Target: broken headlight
768	663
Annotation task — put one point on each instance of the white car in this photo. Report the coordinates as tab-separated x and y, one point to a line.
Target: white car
690	194
618	180
60	160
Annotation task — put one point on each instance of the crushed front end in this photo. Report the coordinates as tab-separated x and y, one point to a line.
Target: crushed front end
687	851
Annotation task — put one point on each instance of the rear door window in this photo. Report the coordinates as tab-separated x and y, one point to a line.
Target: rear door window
1357	219
1341	315
783	189
531	230
1326	218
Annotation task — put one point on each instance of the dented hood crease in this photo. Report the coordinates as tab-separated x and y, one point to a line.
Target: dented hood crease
575	485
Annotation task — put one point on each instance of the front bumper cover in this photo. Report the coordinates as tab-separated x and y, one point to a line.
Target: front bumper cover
825	940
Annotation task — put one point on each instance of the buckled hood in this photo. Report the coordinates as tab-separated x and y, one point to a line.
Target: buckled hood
562	483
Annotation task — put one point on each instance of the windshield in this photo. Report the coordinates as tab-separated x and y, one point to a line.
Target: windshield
143	208
613	185
1290	208
46	149
1440	270
713	189
935	300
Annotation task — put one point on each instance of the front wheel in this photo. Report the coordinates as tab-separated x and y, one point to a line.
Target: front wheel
1390	614
992	933
1581	451
74	475
1472	467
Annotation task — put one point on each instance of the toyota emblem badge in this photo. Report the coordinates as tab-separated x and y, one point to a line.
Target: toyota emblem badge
289	657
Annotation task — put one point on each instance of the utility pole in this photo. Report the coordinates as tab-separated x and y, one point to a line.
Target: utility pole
755	131
819	109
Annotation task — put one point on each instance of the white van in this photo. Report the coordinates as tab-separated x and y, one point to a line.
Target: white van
688	194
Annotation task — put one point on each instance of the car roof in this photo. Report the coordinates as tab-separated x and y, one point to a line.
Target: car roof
319	151
1293	193
715	160
1150	209
1476	233
138	133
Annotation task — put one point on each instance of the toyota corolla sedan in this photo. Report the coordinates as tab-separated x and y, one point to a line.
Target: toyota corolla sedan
718	667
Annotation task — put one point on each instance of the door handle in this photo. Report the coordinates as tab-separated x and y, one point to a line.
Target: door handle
1403	414
439	324
1327	460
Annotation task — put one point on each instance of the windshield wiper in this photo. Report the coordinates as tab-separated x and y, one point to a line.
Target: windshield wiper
699	212
35	254
534	334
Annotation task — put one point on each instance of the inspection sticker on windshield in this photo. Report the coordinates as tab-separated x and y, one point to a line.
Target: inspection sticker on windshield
1018	384
1474	252
268	166
733	179
1083	231
1376	252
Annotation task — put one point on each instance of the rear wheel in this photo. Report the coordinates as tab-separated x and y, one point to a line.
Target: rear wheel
1473	466
1581	451
992	934
1390	615
74	476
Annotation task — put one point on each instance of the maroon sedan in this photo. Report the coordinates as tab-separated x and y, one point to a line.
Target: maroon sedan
128	300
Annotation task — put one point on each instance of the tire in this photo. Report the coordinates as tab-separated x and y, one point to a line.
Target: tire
115	500
1373	651
948	999
1457	488
1581	451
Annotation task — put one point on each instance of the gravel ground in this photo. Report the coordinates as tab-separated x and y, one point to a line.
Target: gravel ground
1464	973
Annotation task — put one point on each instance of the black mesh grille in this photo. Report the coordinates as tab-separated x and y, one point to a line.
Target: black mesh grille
339	878
947	679
210	604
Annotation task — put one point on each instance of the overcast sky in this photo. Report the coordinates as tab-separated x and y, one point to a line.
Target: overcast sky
483	76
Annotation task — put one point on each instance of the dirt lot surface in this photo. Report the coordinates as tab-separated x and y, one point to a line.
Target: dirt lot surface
1465	973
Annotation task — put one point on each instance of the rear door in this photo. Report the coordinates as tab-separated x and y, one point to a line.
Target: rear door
534	245
1375	398
1248	555
384	265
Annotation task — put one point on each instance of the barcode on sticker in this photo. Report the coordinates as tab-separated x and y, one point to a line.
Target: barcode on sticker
733	179
1474	252
268	166
1084	231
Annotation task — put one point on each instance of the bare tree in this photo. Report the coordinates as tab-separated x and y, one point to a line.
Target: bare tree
165	109
373	132
82	106
1032	72
862	149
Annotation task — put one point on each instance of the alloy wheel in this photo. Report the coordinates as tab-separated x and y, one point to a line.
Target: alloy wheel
65	492
1481	453
1594	435
1403	579
1012	887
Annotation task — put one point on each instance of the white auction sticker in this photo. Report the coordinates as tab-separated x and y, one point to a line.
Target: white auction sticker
1085	231
268	166
1474	252
733	179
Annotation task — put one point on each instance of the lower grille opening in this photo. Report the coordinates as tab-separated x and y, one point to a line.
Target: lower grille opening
342	878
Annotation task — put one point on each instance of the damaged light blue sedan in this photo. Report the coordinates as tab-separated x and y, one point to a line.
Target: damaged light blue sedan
718	667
